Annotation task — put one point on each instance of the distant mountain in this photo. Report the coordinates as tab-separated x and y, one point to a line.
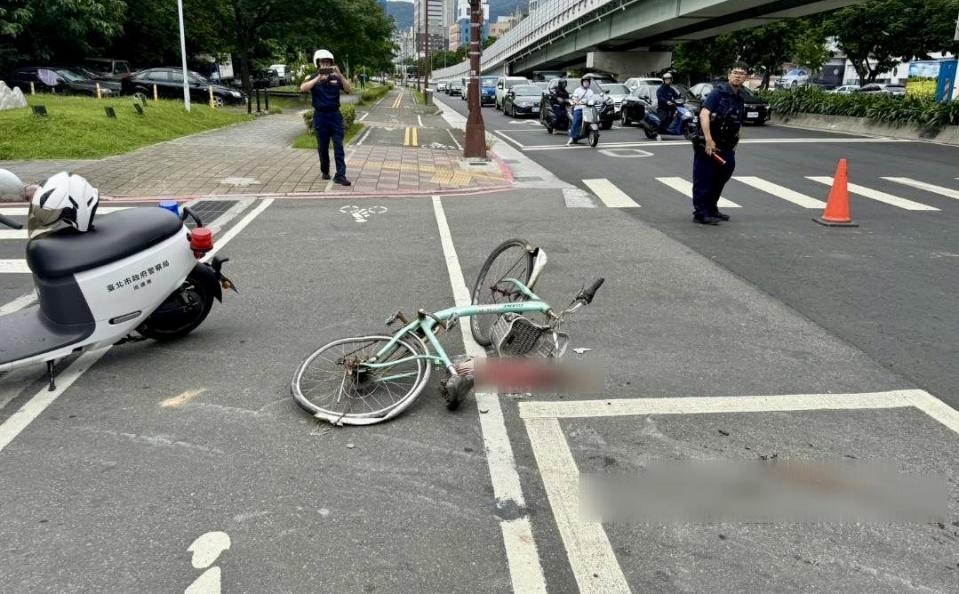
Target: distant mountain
402	13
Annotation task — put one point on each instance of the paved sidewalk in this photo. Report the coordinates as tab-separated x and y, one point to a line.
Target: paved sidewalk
405	149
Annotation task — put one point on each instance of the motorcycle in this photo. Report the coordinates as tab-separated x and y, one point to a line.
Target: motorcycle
684	123
138	269
606	110
591	122
553	115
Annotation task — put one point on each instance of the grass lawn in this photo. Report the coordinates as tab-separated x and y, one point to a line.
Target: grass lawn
308	141
78	128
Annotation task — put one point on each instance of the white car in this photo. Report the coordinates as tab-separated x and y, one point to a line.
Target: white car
283	72
504	84
644	87
845	89
793	78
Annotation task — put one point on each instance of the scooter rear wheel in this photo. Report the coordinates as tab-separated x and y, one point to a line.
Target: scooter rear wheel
181	313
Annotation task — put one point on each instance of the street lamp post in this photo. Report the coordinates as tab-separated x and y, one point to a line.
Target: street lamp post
475	144
186	82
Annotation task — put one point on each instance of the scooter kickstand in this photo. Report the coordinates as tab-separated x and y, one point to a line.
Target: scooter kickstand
52	376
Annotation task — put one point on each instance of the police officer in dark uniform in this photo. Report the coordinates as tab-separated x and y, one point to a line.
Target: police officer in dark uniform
666	97
720	120
325	89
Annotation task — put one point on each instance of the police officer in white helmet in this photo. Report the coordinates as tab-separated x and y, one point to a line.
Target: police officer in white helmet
325	89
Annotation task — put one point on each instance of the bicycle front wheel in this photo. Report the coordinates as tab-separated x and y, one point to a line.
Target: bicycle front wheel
511	259
336	384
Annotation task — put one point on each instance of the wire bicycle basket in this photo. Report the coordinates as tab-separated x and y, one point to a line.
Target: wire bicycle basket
518	336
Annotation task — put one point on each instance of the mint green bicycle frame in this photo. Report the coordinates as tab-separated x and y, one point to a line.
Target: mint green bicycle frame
426	323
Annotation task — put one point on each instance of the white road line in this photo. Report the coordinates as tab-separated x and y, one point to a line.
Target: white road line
684	187
611	196
19	420
685	143
877	195
366	115
590	553
941	190
13	234
510	139
525	570
14	267
456	142
363	136
781	192
21	211
18	304
419	119
740	404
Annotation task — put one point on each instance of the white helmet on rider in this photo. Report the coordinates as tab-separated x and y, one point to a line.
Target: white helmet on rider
65	198
321	54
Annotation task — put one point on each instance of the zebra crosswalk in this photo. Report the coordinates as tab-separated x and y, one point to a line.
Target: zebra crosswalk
613	196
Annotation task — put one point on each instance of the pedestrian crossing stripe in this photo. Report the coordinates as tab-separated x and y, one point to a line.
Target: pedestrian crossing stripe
685	187
876	195
14	267
942	191
13	234
781	192
611	196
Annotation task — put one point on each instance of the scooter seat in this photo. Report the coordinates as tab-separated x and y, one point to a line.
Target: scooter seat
113	237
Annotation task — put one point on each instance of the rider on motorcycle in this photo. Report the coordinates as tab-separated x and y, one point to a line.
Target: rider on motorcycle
666	96
559	107
581	95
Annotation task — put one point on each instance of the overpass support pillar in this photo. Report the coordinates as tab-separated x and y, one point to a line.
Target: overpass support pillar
626	64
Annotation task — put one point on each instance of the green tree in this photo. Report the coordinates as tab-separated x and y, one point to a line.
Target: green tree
877	34
489	41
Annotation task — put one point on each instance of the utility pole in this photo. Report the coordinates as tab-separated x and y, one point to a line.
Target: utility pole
186	80
427	63
475	144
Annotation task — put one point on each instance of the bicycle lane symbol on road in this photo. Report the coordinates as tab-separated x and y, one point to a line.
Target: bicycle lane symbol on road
361	215
206	550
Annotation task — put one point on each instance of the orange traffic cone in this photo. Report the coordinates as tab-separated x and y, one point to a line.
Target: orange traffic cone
836	213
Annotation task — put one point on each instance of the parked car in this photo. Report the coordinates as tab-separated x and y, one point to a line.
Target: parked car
615	91
441	86
757	108
793	78
456	89
487	90
882	89
845	89
522	100
169	84
55	79
505	83
109	68
283	73
109	83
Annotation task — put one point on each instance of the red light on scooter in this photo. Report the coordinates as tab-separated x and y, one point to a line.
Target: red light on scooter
201	241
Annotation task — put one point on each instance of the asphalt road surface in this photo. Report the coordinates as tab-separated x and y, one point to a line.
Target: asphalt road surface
768	338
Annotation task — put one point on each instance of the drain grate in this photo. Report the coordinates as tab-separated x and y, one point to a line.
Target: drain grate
209	210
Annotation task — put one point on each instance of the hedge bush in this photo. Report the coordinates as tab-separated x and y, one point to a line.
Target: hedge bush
346	110
922	111
372	94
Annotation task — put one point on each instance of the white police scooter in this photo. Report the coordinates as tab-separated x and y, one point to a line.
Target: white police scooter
136	270
589	129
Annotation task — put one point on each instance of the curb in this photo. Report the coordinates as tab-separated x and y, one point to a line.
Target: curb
948	135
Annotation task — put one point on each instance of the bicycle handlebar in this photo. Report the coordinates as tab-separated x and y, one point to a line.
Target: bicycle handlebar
586	295
10	223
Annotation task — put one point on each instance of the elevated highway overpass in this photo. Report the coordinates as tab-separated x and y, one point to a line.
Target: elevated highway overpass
623	36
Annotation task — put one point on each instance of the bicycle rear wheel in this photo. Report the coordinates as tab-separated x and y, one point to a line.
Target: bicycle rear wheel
334	384
511	259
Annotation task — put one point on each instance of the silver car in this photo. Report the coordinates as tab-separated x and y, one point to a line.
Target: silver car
617	92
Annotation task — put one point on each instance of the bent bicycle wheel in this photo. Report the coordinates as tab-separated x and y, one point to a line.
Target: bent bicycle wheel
511	259
333	383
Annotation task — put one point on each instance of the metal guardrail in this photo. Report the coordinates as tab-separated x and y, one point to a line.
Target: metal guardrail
556	18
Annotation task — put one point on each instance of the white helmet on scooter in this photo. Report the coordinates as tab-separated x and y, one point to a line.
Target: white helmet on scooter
65	198
321	54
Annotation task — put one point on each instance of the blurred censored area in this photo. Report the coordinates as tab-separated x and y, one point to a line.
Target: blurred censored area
540	376
773	492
